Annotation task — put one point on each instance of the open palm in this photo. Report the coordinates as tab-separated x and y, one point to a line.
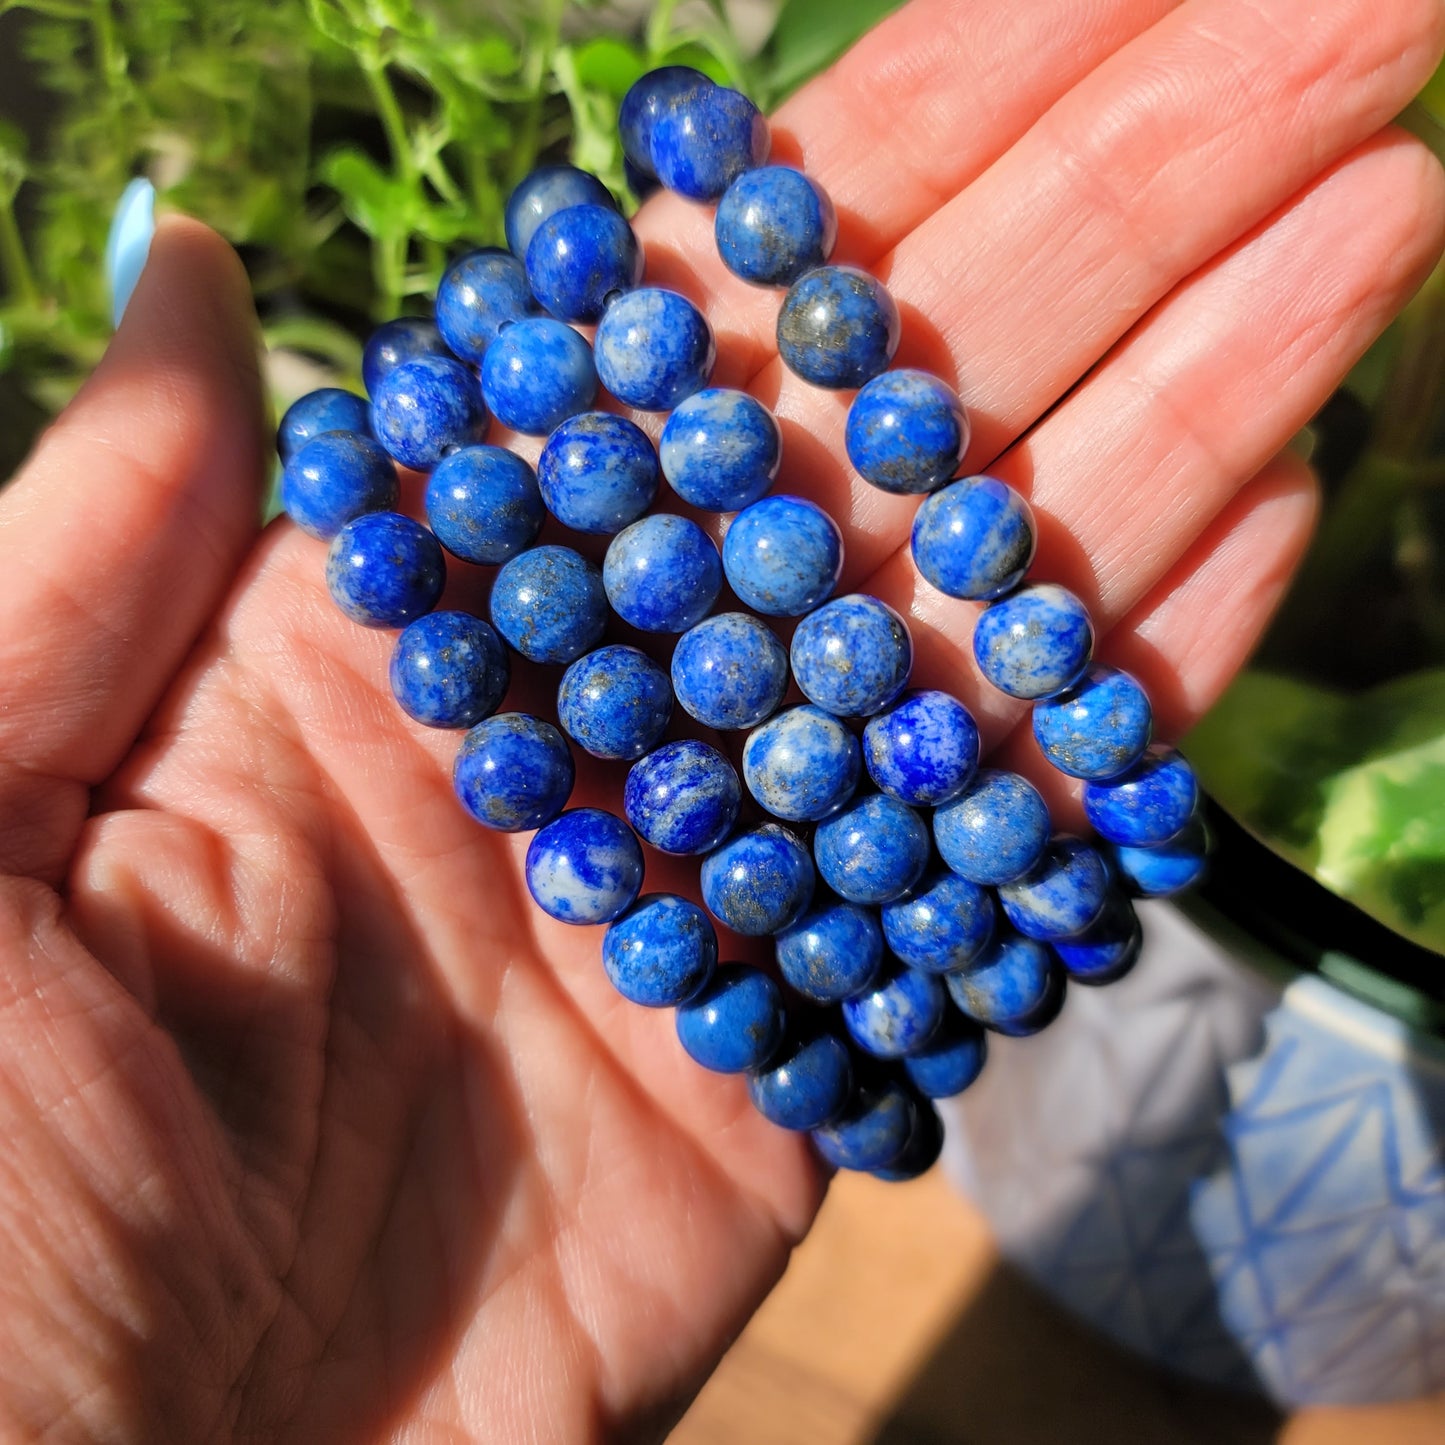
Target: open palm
315	1128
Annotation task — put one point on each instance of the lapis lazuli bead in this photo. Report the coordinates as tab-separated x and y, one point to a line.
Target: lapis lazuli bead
995	831
974	539
543	193
480	295
548	603
483	504
683	797
907	432
513	772
385	570
1036	643
662	574
832	952
335	477
921	1152
644	102
1061	895
953	1059
704	138
783	556
735	1024
923	750
327	409
653	349
808	1083
538	373
1147	805
838	327
615	702
729	671
424	408
449	670
661	952
941	924
1098	729
580	258
1107	949
598	472
759	882
584	867
872	1131
773	224
898	1015
801	765
720	449
873	851
394	342
1014	986
1165	868
852	656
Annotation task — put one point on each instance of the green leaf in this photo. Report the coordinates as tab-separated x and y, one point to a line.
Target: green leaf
376	202
608	64
811	34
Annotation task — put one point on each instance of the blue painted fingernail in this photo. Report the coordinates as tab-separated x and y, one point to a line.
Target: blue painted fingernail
129	243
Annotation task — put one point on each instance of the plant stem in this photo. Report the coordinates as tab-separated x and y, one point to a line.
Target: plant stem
19	278
107	51
393	122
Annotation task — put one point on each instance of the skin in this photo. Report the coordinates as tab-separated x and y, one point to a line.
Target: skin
314	1128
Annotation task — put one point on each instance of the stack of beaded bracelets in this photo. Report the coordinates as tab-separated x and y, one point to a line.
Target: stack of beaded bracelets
926	936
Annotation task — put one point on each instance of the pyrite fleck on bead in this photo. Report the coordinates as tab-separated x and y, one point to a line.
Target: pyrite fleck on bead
838	327
660	952
852	656
758	882
1036	643
907	432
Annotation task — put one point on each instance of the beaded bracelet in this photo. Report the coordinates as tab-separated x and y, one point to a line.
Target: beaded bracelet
946	905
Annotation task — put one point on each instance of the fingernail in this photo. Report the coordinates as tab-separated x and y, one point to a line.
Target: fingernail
129	243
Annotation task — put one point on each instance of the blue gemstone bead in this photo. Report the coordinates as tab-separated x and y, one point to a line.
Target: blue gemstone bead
832	952
806	1085
898	1015
1165	868
548	603
394	342
449	670
644	102
907	432
335	477
720	449
921	1152
683	798
1107	949
873	851
537	373
479	296
924	750
942	924
546	191
801	765
654	349
584	867
995	831
1014	986
838	327
783	556
329	409
661	952
953	1059
1061	895
1036	643
1147	805
974	539
483	504
580	258
615	702
852	656
598	472
729	671
872	1131
662	574
384	570
759	882
1098	729
424	408
736	1023
513	772
704	138
773	224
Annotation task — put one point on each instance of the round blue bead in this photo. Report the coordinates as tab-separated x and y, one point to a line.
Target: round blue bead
1165	868
759	882
543	193
720	449
801	765
328	409
907	432
661	952
682	798
1014	986
1098	729
783	556
653	349
335	477
479	296
995	831
615	702
704	138
1147	805
597	472
953	1059
644	102
872	1131
832	952
580	258
662	574
852	656
873	851
773	224
1107	949
1036	643
898	1015
584	867
1061	895
924	750
537	373
513	772
548	603
449	670
838	327
921	1152
974	539
394	342
809	1083
425	407
942	924
729	671
736	1023
483	504
384	570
